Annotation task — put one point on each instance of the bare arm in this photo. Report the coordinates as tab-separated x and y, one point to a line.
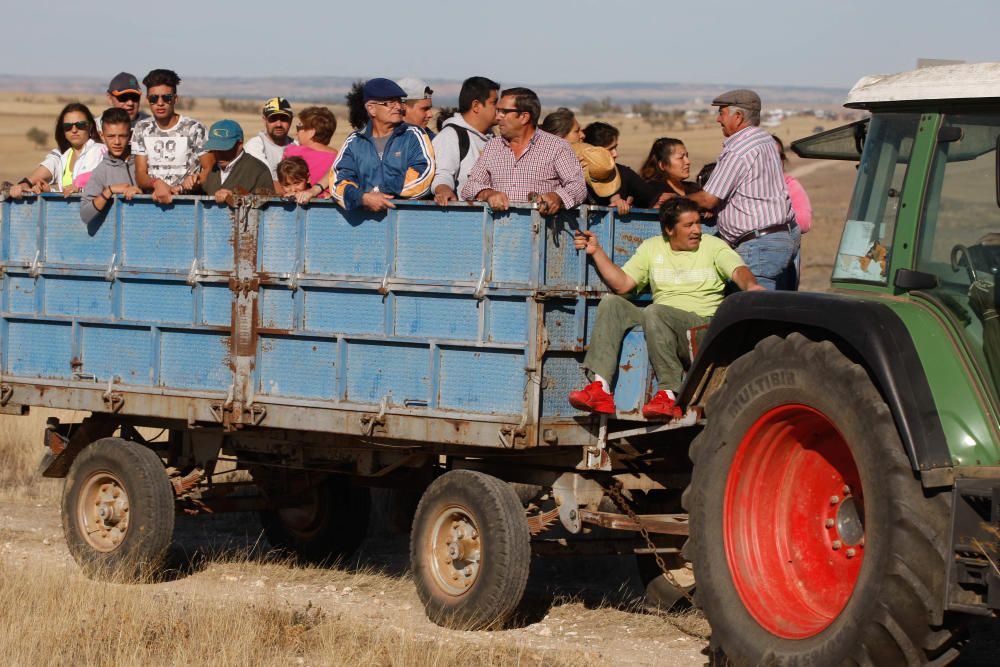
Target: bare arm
704	199
612	274
745	280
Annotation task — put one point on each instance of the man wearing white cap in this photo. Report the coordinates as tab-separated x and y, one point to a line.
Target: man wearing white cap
418	103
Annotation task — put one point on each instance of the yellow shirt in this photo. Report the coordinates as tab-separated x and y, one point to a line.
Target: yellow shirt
691	280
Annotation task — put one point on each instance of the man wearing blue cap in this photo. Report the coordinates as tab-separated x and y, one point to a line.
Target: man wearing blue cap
235	171
386	159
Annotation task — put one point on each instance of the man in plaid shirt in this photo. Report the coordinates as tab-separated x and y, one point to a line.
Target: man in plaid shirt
524	161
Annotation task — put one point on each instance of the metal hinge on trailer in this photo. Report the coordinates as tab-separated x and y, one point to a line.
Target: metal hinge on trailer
232	415
370	421
113	400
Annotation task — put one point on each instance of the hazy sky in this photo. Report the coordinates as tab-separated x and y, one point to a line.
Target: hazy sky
776	42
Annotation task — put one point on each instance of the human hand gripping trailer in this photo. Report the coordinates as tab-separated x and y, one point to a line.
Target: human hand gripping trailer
843	485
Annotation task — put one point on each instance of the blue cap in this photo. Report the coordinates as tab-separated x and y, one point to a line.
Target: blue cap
382	89
223	135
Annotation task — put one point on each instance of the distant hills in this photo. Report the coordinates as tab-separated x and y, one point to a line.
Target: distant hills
331	89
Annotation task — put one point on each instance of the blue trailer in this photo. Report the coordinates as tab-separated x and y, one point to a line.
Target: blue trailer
428	349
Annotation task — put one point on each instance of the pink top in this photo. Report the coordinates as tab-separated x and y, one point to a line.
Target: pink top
800	203
319	161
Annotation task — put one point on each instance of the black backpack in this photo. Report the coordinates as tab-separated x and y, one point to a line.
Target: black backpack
463	141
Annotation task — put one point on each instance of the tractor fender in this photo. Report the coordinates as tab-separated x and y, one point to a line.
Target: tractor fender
866	331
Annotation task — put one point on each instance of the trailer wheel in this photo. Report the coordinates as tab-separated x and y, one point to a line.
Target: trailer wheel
813	541
470	550
332	526
118	511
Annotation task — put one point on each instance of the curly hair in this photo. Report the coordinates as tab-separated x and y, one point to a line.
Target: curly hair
357	114
320	119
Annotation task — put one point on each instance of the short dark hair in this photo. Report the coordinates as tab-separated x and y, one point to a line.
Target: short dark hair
444	113
115	116
559	122
162	77
525	101
320	119
61	141
475	88
781	147
292	169
600	134
670	212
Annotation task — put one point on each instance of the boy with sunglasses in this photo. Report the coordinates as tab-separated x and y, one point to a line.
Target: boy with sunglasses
168	148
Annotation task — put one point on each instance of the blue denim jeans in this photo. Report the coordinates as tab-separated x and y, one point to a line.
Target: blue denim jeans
771	259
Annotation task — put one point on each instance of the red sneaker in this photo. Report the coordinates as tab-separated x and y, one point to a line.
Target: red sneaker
593	398
662	407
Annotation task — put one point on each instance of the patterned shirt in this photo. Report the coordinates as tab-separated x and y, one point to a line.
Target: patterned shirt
170	154
547	165
749	182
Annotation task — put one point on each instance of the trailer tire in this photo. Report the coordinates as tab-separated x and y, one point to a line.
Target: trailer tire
118	511
812	539
470	550
330	528
661	595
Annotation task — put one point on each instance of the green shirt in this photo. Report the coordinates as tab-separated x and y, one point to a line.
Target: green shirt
691	280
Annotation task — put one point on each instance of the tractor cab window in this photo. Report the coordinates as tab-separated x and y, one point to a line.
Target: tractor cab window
866	244
960	229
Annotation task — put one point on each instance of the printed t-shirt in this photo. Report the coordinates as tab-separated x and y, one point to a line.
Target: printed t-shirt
319	161
688	280
170	154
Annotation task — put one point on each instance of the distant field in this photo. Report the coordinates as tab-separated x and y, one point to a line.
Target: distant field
828	185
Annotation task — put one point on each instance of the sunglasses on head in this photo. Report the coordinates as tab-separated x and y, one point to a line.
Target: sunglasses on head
128	97
166	97
80	125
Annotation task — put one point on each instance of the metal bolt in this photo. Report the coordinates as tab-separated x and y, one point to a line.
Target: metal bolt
850	553
572	515
836	545
834	500
829	523
862	542
846	490
467	571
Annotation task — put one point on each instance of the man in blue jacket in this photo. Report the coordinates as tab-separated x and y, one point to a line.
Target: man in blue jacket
388	159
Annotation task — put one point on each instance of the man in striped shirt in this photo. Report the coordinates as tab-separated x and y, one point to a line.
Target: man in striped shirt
524	160
748	191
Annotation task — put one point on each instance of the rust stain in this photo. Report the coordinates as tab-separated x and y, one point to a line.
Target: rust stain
631	238
627	367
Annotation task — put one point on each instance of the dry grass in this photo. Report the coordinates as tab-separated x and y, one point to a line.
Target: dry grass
21	449
50	618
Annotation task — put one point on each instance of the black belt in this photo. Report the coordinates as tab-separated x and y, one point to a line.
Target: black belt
763	231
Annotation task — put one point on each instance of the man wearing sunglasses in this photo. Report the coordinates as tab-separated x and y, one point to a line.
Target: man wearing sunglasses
525	163
168	148
124	93
386	159
269	144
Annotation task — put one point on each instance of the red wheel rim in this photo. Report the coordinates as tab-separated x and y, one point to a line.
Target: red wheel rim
793	522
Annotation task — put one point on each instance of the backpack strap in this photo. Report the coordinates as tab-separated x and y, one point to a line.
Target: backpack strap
463	141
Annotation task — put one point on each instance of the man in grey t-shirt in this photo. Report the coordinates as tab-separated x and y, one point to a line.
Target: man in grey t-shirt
269	144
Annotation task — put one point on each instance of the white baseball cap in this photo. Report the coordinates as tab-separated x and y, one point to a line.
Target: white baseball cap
416	89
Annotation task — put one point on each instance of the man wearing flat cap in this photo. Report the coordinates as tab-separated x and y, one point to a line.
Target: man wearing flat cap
748	191
386	159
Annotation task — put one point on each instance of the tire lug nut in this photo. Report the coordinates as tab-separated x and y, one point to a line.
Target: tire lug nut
850	553
846	490
829	523
834	500
836	545
861	543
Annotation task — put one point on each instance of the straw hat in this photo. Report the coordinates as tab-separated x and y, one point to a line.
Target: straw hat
598	168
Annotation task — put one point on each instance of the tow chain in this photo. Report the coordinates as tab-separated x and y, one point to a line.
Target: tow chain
615	492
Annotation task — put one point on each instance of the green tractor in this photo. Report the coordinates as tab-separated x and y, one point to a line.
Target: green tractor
845	496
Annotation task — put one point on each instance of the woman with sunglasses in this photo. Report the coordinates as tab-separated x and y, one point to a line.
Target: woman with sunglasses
314	132
66	169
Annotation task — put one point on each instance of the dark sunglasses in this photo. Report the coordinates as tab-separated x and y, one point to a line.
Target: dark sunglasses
167	97
274	118
80	125
506	110
128	97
